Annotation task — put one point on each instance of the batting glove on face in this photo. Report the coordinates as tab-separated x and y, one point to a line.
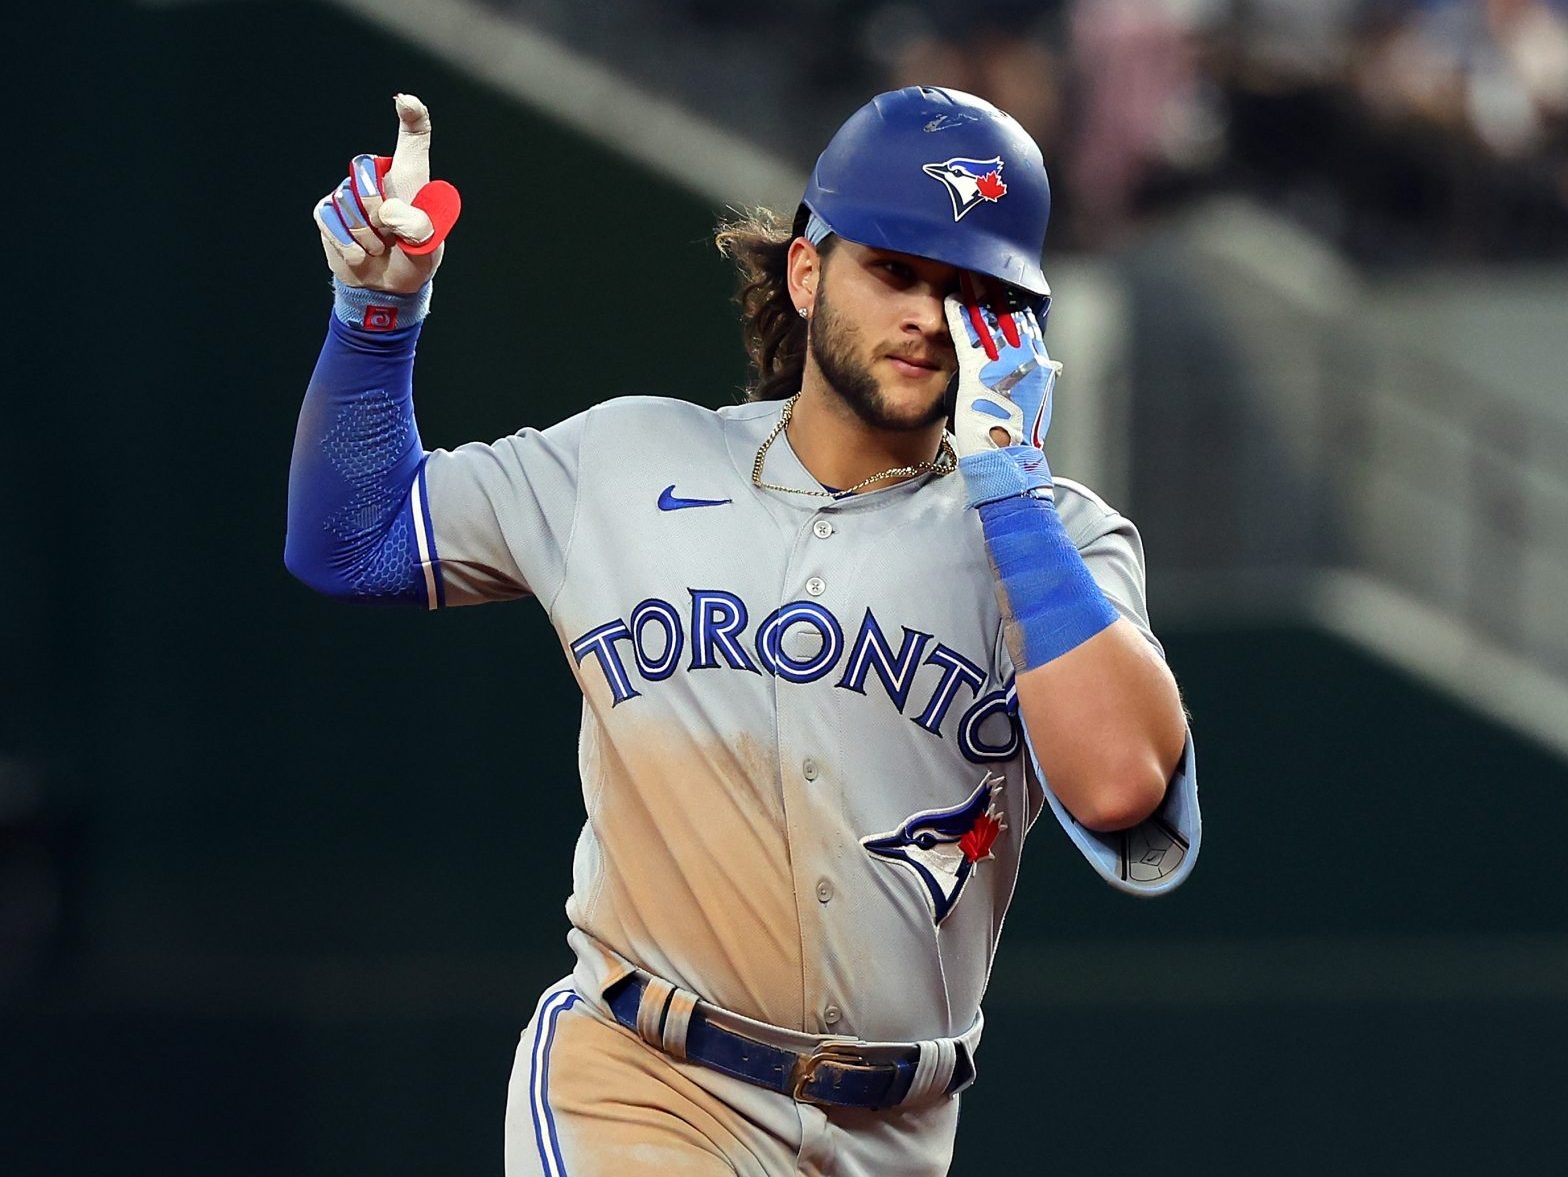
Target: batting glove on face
385	226
1005	378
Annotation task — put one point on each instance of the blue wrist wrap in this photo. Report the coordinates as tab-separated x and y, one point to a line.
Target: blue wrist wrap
1052	601
376	310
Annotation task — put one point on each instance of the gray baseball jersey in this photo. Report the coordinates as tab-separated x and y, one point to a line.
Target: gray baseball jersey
806	792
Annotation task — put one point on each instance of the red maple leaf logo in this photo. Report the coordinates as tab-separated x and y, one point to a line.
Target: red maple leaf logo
976	844
991	186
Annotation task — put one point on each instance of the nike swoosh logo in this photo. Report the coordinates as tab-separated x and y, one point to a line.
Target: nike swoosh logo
670	501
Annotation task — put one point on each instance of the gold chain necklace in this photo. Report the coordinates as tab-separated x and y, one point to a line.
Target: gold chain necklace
946	463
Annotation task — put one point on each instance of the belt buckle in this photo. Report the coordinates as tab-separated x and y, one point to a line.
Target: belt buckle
844	1053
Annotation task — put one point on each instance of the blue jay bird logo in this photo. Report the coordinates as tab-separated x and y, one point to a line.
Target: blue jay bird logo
969	182
942	847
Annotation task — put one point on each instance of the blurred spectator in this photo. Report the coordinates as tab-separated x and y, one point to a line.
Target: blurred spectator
1146	115
1495	68
1399	130
998	49
1111	89
1405	129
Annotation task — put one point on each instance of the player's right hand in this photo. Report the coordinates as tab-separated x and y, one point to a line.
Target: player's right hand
384	228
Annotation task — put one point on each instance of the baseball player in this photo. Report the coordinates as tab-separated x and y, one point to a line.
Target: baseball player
835	657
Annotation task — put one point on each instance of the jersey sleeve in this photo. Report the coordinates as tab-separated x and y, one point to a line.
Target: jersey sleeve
1112	551
502	514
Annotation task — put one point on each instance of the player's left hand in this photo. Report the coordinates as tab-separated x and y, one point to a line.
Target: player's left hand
1005	377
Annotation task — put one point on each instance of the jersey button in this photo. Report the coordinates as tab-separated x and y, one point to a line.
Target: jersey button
831	1015
816	586
824	890
808	769
822	529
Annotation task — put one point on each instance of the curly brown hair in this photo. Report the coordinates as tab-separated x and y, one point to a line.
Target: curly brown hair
771	329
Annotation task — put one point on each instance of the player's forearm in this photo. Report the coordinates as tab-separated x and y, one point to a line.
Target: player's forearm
1102	712
356	529
1106	723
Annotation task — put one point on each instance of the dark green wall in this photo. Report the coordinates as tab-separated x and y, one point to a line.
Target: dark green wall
314	858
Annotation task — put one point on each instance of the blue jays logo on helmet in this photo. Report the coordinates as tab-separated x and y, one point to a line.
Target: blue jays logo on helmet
969	182
942	847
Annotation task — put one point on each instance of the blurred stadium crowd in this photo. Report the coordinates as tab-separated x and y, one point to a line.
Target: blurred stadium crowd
1401	130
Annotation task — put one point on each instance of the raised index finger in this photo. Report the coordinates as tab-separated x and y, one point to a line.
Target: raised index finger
410	170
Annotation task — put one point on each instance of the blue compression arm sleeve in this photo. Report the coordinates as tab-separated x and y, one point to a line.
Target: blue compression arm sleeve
359	524
1049	594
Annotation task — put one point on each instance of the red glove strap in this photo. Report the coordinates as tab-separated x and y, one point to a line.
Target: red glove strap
439	201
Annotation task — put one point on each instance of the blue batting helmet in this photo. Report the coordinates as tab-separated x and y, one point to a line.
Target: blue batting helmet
939	174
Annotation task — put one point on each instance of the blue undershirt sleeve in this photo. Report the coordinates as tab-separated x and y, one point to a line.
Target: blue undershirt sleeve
358	519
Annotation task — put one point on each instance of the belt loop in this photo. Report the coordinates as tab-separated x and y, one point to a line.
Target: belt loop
933	1070
970	1041
650	1010
677	1022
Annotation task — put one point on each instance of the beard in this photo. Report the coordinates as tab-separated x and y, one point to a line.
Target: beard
835	345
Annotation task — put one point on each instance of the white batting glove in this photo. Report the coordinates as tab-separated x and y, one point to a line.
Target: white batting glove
1005	376
384	228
